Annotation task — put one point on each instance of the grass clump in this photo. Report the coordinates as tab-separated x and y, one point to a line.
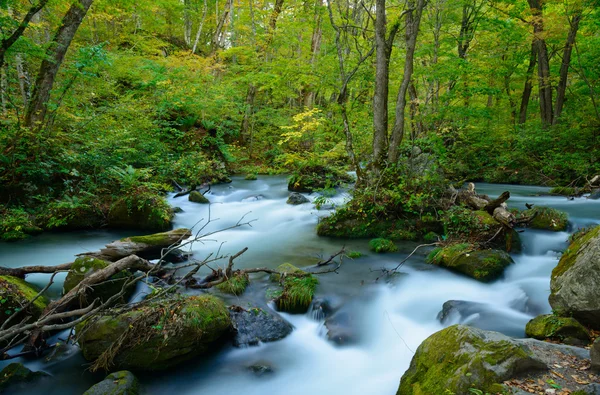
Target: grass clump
297	295
236	285
381	245
354	254
251	177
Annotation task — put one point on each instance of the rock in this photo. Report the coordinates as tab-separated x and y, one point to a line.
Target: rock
84	267
257	325
550	326
152	216
155	336
251	177
595	355
118	383
16	293
297	198
298	291
547	218
177	210
483	316
176	256
342	328
382	245
482	265
17	377
236	285
574	290
197	197
313	177
595	194
261	369
460	357
253	198
323	308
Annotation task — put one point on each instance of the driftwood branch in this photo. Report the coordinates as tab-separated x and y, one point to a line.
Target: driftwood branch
21	272
494	204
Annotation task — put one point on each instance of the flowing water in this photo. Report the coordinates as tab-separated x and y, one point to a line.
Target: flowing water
390	318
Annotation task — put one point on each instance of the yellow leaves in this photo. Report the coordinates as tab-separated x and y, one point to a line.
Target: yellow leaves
305	123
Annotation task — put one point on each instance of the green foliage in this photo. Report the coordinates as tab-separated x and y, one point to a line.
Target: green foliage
16	224
354	254
382	245
297	295
236	285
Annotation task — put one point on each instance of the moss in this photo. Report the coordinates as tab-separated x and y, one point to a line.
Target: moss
197	197
297	295
16	293
148	215
285	268
16	374
458	358
482	265
564	191
161	239
547	218
313	177
382	245
567	260
251	177
431	237
550	326
236	285
354	254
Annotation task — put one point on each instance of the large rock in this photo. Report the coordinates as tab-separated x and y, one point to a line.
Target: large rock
84	267
17	377
16	293
342	328
595	355
296	198
460	357
197	197
565	329
118	383
547	218
257	325
314	177
157	215
574	282
482	265
155	336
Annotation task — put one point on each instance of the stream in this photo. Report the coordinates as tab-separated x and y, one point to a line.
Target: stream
389	317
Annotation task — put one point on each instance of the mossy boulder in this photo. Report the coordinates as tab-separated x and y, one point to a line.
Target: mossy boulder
296	198
550	326
16	293
84	267
298	290
547	218
16	377
236	285
197	197
482	265
153	214
460	357
251	177
155	336
310	178
381	245
118	383
574	289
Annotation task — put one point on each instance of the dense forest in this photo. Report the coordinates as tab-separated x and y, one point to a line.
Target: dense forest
108	103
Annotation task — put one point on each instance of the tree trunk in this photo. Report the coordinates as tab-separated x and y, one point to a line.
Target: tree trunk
218	36
199	31
315	47
528	84
413	21
380	95
248	113
545	87
3	89
275	14
24	84
187	23
564	68
36	111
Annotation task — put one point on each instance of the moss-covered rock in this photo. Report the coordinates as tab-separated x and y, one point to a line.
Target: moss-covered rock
148	215
482	265
251	177
380	245
459	357
16	293
118	383
574	282
236	285
553	327
155	336
298	290
347	222
313	177
17	377
564	191
197	197
547	218
84	267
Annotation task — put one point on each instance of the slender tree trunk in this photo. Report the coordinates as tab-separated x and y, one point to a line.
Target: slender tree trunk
380	95
250	95
564	67
36	111
24	84
315	47
528	84
187	23
545	87
200	26
275	14
413	21
218	36
3	89
415	123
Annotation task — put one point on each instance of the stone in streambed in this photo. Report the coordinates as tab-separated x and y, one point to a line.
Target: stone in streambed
16	293
197	197
118	383
296	198
17	377
550	326
256	325
595	355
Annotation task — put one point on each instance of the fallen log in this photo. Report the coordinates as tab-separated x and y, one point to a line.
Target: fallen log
494	204
470	198
21	272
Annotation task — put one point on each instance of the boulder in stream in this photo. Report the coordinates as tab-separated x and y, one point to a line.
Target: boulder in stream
16	293
118	383
296	198
124	214
565	329
547	218
574	282
17	377
298	290
156	335
482	265
197	197
256	325
313	177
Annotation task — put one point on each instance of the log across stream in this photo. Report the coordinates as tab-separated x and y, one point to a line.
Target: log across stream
385	321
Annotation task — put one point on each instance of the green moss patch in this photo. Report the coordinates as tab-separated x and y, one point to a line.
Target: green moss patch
297	295
482	265
236	285
15	294
197	197
553	327
381	245
568	258
161	239
547	218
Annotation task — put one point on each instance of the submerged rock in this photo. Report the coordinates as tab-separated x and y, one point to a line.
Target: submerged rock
197	197
17	377
460	357
482	265
574	282
261	369
342	328
547	218
297	198
155	336
257	325
118	383
16	293
550	326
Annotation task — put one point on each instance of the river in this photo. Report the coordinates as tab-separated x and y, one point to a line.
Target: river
390	318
